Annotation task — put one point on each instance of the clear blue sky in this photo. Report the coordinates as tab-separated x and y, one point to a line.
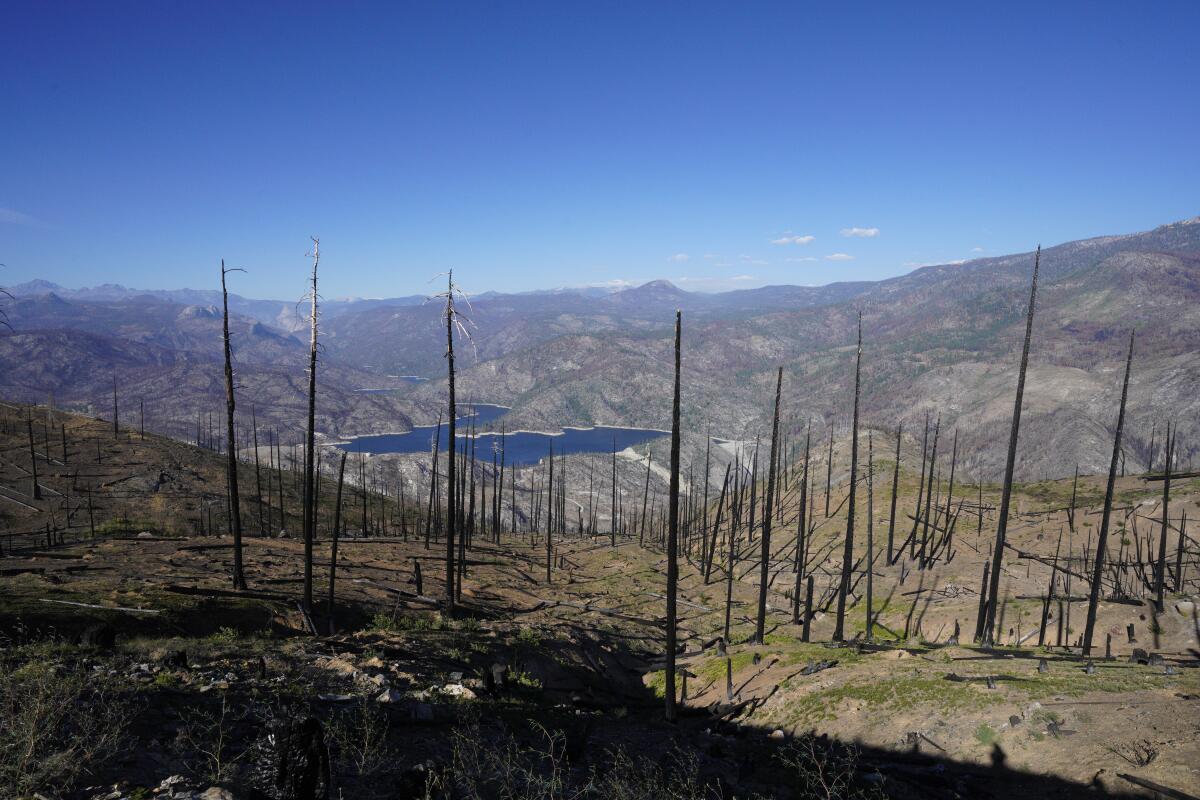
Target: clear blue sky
533	145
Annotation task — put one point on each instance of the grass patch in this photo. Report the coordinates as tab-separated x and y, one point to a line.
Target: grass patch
985	735
892	695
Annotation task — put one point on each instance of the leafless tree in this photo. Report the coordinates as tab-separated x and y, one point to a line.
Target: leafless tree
1102	540
764	571
335	534
673	534
455	321
993	595
235	513
848	551
310	505
1160	573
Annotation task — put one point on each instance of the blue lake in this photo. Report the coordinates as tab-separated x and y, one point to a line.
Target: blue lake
522	448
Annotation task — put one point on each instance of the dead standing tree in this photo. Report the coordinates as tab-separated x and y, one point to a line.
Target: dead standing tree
454	321
310	505
895	485
801	538
1102	539
1160	572
764	572
673	535
848	552
870	535
333	548
993	594
235	513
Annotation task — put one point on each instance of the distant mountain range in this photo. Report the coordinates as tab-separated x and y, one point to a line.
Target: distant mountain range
941	339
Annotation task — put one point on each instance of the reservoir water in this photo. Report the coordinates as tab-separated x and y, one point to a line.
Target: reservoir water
522	448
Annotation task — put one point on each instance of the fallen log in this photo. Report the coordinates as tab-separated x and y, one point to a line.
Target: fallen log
1165	791
102	608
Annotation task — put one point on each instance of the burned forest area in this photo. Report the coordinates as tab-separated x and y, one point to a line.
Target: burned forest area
227	604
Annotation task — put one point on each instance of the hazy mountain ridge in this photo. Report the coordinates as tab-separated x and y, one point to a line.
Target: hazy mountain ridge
942	339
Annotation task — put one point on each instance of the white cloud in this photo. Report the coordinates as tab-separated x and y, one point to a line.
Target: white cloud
12	217
839	257
678	258
789	239
798	260
710	256
976	249
860	233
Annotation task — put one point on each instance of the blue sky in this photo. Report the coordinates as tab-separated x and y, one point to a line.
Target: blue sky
531	145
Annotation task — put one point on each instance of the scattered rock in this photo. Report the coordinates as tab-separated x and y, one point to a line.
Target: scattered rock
333	698
458	690
777	734
145	535
378	681
389	696
817	666
1139	656
216	793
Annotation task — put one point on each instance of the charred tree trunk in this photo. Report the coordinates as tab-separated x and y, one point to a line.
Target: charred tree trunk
336	533
451	415
922	559
1160	573
764	571
310	500
1102	540
645	497
550	517
37	489
895	486
916	515
235	512
613	507
707	476
673	534
258	495
870	536
711	546
848	552
801	531
829	471
1010	463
